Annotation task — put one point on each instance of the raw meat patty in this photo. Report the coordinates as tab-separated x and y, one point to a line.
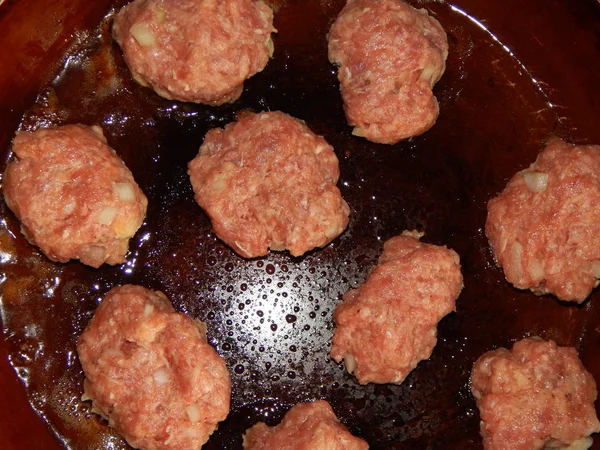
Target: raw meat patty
195	50
537	395
544	228
307	426
389	56
73	195
151	373
389	324
267	181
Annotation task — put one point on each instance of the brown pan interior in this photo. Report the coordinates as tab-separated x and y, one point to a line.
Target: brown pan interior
518	73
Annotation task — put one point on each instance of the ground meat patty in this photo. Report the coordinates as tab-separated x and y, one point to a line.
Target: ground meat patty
537	395
389	56
73	195
267	181
389	324
544	228
151	373
307	426
195	50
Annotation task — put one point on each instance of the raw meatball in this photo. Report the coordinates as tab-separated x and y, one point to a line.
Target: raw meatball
73	195
195	50
151	373
389	324
390	56
544	228
307	426
537	395
267	181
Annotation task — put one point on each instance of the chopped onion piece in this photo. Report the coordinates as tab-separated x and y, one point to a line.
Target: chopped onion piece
536	269
107	215
358	131
95	252
219	184
427	74
319	148
161	15
191	433
124	191
161	376
277	246
536	181
148	309
96	129
349	362
596	269
516	253
270	47
201	327
241	247
332	231
364	312
194	412
583	443
142	33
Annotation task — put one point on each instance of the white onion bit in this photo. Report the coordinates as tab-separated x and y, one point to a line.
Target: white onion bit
219	184
319	148
277	246
358	131
95	252
194	412
364	312
124	191
536	269
332	231
596	269
201	326
536	181
350	362
191	433
427	74
107	215
148	309
161	376
142	33
516	252
161	15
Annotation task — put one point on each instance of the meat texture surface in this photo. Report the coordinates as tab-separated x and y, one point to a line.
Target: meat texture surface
389	323
536	396
74	196
544	228
307	426
267	181
195	51
151	373
389	56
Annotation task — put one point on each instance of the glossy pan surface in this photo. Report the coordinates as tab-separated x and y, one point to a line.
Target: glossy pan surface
518	74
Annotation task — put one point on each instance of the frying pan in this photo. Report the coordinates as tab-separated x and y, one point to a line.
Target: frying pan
518	73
